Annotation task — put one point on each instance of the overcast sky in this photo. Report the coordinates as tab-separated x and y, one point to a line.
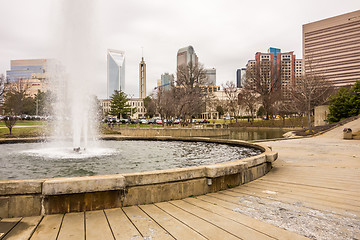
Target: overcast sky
224	33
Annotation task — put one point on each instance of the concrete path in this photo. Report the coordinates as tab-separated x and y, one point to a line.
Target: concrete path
312	191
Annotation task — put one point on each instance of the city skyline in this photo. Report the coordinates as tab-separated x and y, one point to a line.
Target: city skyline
224	34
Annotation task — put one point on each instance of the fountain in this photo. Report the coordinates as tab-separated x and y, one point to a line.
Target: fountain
47	160
125	172
74	106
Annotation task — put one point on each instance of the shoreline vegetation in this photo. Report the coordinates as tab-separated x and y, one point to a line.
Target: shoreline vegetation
28	128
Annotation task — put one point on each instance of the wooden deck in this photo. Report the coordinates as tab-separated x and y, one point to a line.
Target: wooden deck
312	191
220	215
206	217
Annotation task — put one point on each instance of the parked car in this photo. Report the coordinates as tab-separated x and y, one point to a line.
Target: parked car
152	121
143	121
122	120
203	121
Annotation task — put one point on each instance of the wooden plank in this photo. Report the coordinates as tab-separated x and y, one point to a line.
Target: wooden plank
6	224
146	226
308	201
227	201
346	193
172	225
96	220
205	228
24	229
319	181
214	206
292	190
72	227
121	226
316	183
48	228
308	189
237	229
289	200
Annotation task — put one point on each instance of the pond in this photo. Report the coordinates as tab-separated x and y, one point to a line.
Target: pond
249	134
49	160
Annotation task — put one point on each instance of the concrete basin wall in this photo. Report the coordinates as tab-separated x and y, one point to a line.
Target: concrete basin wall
19	198
173	131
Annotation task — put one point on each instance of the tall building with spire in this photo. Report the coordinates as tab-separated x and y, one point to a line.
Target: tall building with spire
142	79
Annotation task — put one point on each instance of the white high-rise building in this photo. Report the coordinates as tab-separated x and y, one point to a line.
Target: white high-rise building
115	71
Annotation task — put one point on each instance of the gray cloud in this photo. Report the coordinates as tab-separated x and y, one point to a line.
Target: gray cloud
225	34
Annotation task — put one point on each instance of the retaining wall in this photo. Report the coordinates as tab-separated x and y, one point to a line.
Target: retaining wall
63	195
174	132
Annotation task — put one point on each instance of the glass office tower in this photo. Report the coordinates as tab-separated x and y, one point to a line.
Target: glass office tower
115	71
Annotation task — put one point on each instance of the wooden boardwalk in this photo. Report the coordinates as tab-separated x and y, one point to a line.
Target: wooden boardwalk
312	191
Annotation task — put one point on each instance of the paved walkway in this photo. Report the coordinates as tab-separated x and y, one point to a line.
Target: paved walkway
312	191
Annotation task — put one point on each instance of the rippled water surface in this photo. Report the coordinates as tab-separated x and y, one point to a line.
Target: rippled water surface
46	160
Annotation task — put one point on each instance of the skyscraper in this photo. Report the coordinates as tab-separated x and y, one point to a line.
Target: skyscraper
240	77
142	79
31	75
25	69
115	71
275	51
185	56
167	81
285	74
331	48
280	75
210	77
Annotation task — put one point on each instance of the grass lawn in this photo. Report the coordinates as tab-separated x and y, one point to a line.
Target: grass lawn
21	132
24	129
25	123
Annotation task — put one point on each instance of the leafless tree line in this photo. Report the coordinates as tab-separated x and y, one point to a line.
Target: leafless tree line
262	88
306	92
186	99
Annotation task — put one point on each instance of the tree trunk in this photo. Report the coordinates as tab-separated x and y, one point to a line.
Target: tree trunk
309	121
308	116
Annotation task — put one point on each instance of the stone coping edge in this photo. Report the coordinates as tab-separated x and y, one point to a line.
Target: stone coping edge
71	185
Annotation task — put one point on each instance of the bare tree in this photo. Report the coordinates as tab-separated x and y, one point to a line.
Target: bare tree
10	122
188	94
249	100
190	76
211	103
2	86
2	91
231	92
164	102
310	91
260	79
307	92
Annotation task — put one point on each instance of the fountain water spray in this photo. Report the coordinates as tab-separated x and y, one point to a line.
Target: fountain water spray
72	83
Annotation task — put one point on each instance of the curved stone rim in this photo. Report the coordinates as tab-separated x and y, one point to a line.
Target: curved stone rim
60	195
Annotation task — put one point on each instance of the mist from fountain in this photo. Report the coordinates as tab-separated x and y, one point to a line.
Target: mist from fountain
72	77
